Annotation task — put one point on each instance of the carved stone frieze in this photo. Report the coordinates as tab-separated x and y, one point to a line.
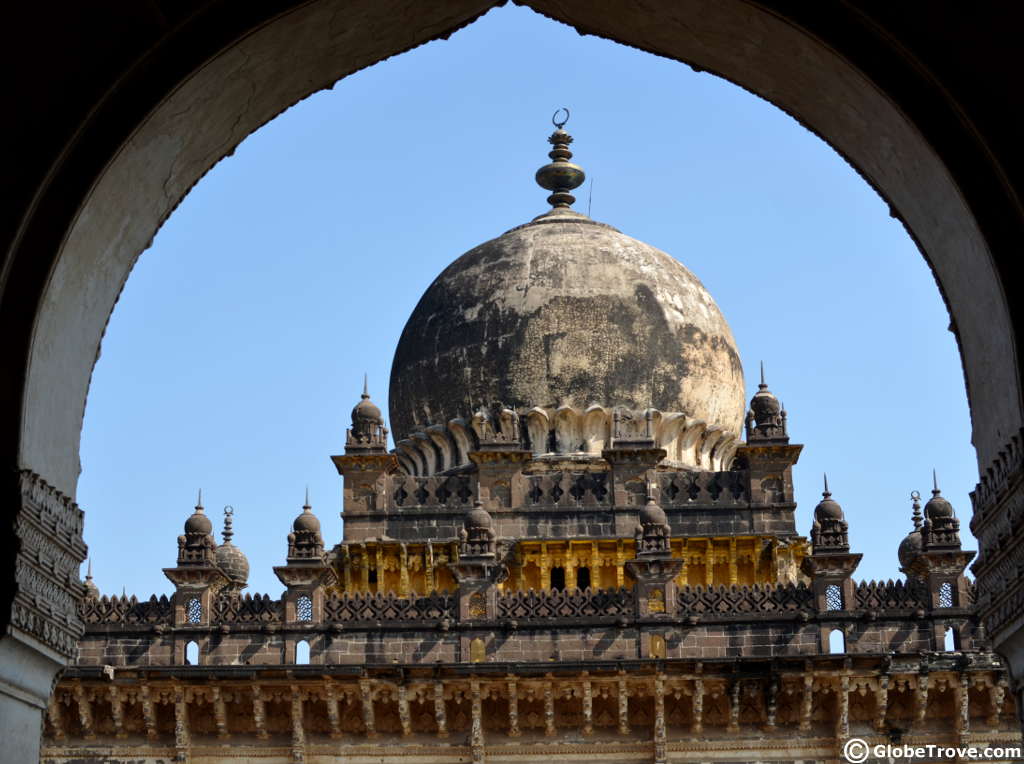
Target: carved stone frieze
50	551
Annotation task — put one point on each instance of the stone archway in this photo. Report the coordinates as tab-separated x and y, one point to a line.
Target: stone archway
205	81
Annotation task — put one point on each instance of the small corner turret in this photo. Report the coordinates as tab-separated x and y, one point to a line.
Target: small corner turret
197	576
932	555
768	453
366	459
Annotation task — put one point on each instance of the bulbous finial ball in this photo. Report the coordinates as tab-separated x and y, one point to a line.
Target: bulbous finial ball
938	507
765	405
652	514
560	176
198	522
233	562
478	517
910	548
828	509
366	412
307	521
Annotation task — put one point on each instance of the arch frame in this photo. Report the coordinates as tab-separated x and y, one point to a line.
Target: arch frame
152	99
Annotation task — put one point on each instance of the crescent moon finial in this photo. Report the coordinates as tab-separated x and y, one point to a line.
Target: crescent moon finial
555	121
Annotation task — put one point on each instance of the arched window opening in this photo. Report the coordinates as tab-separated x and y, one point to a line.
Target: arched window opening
558	579
950	641
192	654
945	594
833	597
583	578
302	653
304	609
194	610
837	641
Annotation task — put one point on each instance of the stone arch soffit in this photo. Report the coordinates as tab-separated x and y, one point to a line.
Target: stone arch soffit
310	47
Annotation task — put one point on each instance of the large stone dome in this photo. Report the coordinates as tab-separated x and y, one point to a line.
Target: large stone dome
565	311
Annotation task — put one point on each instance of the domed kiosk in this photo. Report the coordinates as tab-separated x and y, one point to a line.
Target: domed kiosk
562	321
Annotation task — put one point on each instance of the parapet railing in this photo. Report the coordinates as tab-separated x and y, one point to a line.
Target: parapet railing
732	602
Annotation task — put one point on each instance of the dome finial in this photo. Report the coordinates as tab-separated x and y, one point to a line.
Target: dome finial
307	506
228	532
199	501
826	493
762	386
935	483
560	176
366	386
915	516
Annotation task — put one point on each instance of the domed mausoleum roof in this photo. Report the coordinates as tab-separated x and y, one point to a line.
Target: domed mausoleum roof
565	311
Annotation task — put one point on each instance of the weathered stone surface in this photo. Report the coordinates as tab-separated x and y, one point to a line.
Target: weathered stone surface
565	311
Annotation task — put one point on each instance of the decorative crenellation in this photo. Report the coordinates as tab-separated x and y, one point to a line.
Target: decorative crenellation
553	605
760	599
552	433
248	608
50	551
126	610
892	595
389	607
996	482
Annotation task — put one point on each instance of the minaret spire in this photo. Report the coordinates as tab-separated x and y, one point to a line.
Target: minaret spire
826	493
935	482
307	505
366	386
199	501
763	386
560	176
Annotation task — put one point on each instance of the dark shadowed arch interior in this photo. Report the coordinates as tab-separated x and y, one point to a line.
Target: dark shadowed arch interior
201	82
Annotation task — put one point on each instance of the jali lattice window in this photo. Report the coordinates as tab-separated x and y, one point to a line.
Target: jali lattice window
194	610
946	594
833	597
304	608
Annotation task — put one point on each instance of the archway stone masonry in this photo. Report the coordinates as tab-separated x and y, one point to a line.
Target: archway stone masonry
120	110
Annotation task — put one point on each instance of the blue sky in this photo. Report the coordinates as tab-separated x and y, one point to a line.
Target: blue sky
238	347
